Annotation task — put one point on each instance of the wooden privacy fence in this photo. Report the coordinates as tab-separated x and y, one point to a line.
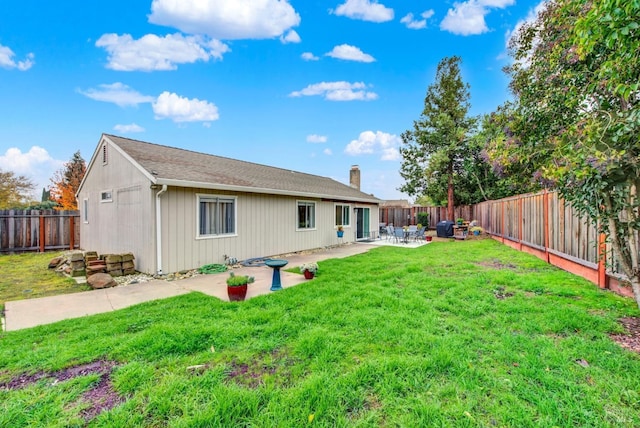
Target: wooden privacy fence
544	225
38	230
399	216
541	224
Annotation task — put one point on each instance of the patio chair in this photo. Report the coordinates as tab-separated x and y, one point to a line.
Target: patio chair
398	234
419	235
412	231
389	232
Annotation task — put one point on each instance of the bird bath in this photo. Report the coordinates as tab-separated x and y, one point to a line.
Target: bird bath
276	264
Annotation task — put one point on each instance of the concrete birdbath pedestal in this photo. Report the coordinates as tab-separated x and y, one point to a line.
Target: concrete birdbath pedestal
276	264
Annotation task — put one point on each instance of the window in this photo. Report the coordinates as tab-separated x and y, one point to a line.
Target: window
85	209
306	215
216	215
342	215
106	196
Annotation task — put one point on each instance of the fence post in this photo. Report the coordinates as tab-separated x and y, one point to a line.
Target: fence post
503	216
72	232
521	222
42	234
602	261
545	207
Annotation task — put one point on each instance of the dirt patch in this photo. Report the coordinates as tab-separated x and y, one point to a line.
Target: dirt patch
252	374
249	375
631	339
500	293
497	264
100	397
371	402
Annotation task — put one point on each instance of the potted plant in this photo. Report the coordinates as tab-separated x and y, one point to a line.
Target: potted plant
340	231
476	230
460	220
309	269
237	286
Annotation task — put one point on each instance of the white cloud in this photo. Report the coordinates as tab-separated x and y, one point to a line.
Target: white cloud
350	53
291	37
36	164
7	61
337	91
365	10
530	18
415	24
226	19
314	138
467	18
128	129
217	48
117	93
327	152
151	52
181	109
369	142
308	56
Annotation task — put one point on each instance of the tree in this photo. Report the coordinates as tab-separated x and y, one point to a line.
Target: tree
434	150
66	182
506	176
15	191
576	82
46	195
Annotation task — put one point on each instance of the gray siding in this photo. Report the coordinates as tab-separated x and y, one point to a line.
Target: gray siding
126	224
266	226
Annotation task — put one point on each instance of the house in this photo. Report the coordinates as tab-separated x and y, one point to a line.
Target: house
176	209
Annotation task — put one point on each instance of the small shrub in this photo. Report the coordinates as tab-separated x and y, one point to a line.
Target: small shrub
237	280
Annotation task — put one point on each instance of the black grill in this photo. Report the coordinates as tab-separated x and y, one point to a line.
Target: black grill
444	229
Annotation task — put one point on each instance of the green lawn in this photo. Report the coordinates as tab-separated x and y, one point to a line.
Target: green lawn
464	334
25	276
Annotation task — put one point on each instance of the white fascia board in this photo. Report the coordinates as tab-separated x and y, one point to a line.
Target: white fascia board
245	189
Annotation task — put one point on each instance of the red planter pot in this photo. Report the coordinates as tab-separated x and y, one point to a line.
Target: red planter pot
237	293
428	238
308	274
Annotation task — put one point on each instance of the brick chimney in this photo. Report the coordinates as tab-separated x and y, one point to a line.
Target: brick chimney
354	177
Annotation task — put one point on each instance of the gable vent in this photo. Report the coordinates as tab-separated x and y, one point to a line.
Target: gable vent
104	154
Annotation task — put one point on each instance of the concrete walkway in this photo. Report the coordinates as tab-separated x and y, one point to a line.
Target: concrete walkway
32	312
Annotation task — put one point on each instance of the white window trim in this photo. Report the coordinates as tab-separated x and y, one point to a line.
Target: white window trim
102	199
200	196
315	219
346	226
85	210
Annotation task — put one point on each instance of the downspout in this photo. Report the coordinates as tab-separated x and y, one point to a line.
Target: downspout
159	229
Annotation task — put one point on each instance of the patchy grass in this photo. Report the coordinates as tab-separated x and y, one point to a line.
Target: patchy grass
469	334
25	276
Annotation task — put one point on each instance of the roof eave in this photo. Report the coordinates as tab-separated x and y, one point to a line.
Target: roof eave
246	189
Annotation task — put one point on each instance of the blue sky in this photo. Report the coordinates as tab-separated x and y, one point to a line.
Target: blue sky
314	86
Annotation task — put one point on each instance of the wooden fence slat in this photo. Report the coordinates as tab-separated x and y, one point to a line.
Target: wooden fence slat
36	230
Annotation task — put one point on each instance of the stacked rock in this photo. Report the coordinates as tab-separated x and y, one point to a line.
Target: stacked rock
76	261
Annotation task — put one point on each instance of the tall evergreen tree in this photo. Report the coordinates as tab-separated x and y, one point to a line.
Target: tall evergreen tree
46	195
66	181
433	152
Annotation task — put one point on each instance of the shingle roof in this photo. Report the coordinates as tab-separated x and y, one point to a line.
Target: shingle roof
402	203
170	165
